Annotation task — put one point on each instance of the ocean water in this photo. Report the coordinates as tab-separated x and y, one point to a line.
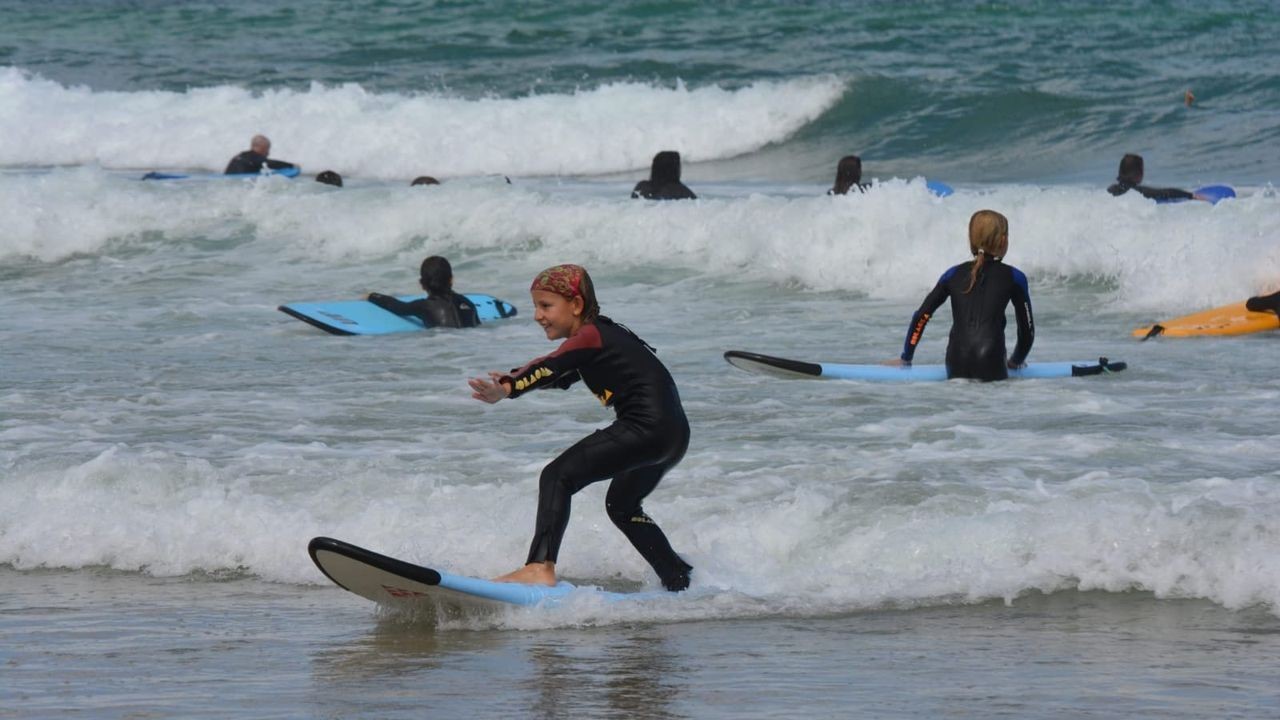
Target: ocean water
169	442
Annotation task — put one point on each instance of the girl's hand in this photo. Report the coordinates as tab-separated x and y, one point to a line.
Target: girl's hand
897	362
1013	365
491	390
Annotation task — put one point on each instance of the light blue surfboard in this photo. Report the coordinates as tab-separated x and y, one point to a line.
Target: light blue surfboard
388	581
361	317
782	367
291	172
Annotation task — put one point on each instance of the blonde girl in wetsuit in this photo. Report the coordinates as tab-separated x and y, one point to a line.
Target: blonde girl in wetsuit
649	436
979	290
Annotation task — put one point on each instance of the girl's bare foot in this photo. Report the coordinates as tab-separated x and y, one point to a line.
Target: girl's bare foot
537	573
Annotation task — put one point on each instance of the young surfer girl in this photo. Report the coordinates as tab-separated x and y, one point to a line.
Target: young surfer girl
980	290
649	436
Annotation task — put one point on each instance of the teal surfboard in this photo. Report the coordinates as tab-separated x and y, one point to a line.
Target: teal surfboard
388	581
782	367
361	317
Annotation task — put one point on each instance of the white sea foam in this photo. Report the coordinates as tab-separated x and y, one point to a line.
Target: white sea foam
786	540
613	127
891	243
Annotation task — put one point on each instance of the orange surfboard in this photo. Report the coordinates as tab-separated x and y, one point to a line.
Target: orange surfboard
1231	319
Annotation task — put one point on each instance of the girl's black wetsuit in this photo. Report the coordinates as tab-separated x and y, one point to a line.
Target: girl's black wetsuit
976	348
648	438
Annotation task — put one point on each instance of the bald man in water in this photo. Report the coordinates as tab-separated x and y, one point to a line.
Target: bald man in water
252	160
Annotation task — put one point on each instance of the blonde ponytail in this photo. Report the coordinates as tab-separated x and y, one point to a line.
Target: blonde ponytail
988	230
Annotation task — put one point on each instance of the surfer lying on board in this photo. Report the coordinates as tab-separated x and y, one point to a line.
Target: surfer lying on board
1130	178
442	307
649	436
252	160
979	290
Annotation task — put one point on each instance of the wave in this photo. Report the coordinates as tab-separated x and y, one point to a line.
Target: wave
787	546
890	243
613	127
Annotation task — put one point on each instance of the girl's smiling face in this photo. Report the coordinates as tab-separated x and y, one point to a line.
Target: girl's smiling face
559	316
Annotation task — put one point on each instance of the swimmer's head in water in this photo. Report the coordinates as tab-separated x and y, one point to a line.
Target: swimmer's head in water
436	275
329	177
1130	169
424	180
666	168
570	281
848	174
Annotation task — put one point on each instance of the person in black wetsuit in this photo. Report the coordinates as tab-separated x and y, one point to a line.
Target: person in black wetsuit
329	177
442	307
848	176
979	291
1264	303
649	436
252	160
664	180
1130	178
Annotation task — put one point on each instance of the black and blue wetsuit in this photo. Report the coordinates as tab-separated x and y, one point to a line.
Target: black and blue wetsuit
649	436
441	309
976	348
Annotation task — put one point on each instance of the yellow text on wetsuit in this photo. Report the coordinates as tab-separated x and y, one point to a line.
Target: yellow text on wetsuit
533	377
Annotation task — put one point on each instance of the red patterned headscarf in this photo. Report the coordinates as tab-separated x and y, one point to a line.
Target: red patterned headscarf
565	280
569	281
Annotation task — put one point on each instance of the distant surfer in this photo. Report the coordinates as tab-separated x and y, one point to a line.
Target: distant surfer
253	159
1130	178
424	180
648	438
442	307
664	180
848	176
329	177
979	290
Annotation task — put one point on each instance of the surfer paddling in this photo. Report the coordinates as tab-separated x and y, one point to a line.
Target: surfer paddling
648	438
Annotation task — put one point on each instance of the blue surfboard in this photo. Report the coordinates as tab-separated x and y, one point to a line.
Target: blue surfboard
291	172
939	188
361	317
388	581
782	367
1213	194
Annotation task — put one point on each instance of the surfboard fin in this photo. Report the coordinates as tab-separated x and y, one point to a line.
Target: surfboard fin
1153	332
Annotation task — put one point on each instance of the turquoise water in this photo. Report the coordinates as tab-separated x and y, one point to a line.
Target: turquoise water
983	92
